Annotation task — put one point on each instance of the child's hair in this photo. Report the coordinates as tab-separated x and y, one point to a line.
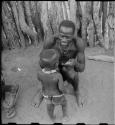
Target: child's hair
49	58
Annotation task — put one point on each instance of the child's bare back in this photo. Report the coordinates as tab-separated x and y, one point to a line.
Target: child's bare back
52	82
49	83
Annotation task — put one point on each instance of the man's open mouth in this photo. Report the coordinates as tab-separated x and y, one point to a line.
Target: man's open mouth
64	43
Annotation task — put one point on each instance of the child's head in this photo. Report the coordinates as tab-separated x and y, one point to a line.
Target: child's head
49	59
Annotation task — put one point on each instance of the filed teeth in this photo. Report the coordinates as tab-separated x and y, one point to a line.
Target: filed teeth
64	43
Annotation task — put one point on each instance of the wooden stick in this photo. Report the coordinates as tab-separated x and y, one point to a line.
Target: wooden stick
102	58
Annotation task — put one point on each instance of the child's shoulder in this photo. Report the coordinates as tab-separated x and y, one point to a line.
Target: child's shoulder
40	73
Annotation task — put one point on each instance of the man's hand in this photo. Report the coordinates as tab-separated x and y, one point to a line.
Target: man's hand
70	62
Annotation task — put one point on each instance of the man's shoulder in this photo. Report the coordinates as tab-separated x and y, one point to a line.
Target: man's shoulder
77	39
80	44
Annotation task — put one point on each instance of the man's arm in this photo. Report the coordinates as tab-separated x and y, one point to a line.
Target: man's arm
80	58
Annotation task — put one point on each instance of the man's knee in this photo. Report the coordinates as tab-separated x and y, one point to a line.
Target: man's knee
74	81
76	78
73	75
70	75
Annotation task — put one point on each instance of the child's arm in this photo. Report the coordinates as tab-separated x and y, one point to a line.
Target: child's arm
60	82
39	76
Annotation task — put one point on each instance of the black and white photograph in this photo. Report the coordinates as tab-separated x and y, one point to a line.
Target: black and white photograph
57	62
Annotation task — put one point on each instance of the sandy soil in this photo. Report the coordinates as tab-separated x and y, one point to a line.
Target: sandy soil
97	79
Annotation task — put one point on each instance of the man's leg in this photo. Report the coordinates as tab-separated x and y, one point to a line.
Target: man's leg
74	80
68	77
64	106
71	76
81	93
75	84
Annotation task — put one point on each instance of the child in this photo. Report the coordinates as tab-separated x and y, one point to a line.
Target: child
52	83
9	95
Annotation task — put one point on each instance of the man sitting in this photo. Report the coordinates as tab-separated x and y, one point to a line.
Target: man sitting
72	58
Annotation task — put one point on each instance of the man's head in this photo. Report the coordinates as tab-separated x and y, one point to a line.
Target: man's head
49	59
66	31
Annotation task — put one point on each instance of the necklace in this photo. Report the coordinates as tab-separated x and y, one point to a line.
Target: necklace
48	72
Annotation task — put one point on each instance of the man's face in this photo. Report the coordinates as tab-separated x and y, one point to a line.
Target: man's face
65	35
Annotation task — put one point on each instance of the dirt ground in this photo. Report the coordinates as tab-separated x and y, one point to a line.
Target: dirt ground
97	79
